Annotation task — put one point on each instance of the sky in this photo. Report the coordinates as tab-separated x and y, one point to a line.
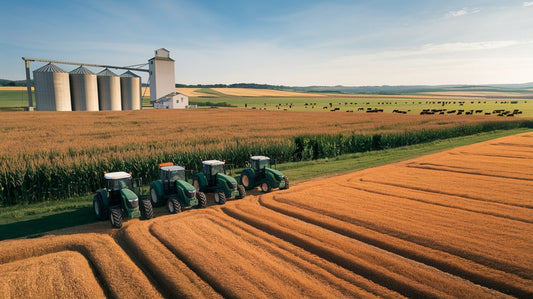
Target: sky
281	42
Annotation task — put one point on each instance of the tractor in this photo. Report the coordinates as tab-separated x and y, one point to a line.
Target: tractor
174	190
118	200
213	178
260	174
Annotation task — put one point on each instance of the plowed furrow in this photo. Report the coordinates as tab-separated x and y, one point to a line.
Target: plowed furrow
461	233
460	203
472	172
240	265
404	276
492	278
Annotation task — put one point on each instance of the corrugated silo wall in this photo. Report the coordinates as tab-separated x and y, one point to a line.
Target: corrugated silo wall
84	91
130	91
109	93
52	91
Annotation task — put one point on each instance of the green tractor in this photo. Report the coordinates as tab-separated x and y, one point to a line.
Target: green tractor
213	178
173	190
118	200
260	174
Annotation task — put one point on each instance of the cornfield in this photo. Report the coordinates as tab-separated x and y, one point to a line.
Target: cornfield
45	156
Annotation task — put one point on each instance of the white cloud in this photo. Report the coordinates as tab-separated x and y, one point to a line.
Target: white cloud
457	13
528	3
462	12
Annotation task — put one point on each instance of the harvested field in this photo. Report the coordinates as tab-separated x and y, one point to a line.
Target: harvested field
252	92
450	224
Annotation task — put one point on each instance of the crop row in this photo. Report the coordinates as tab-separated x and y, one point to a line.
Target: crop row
61	175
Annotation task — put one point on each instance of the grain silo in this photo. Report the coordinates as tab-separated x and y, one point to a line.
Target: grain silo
84	90
130	87
52	88
109	90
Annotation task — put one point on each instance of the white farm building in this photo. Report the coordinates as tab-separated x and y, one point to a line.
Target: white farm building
162	83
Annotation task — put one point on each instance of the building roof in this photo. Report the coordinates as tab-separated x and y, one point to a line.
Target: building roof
106	72
117	175
129	74
172	168
82	71
50	68
259	158
212	162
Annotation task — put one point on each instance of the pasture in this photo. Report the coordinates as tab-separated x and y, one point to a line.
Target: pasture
390	231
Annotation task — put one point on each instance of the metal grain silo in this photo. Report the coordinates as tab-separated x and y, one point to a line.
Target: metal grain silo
130	87
52	88
84	90
109	90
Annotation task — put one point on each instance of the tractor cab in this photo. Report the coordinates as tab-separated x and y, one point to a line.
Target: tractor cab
259	163
211	168
117	184
171	172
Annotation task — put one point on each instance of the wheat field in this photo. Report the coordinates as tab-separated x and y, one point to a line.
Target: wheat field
451	224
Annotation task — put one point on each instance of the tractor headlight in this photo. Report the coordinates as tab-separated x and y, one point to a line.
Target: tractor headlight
232	185
133	203
190	194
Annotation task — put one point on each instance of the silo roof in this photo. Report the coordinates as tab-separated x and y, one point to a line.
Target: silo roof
129	74
50	68
107	72
82	71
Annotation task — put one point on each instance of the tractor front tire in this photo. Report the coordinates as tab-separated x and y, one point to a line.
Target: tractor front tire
147	211
154	197
196	184
173	206
116	217
220	198
286	179
265	187
202	200
99	209
242	192
245	180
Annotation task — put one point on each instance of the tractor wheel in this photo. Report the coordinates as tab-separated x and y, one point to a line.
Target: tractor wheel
99	209
245	180
154	197
242	192
116	217
147	212
173	206
196	184
265	187
202	200
286	179
220	198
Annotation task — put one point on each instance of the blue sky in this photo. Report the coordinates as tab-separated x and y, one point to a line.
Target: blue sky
282	42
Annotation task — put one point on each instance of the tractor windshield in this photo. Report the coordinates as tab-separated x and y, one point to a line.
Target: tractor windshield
260	164
217	169
176	175
119	184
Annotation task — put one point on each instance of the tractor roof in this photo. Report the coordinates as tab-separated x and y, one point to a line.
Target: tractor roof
259	158
117	175
172	168
212	162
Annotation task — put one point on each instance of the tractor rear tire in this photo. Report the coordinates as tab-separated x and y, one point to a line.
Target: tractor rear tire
202	200
287	185
99	209
220	198
242	192
116	217
173	206
147	212
265	187
245	180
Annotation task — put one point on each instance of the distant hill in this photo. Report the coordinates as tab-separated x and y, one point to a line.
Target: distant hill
384	89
